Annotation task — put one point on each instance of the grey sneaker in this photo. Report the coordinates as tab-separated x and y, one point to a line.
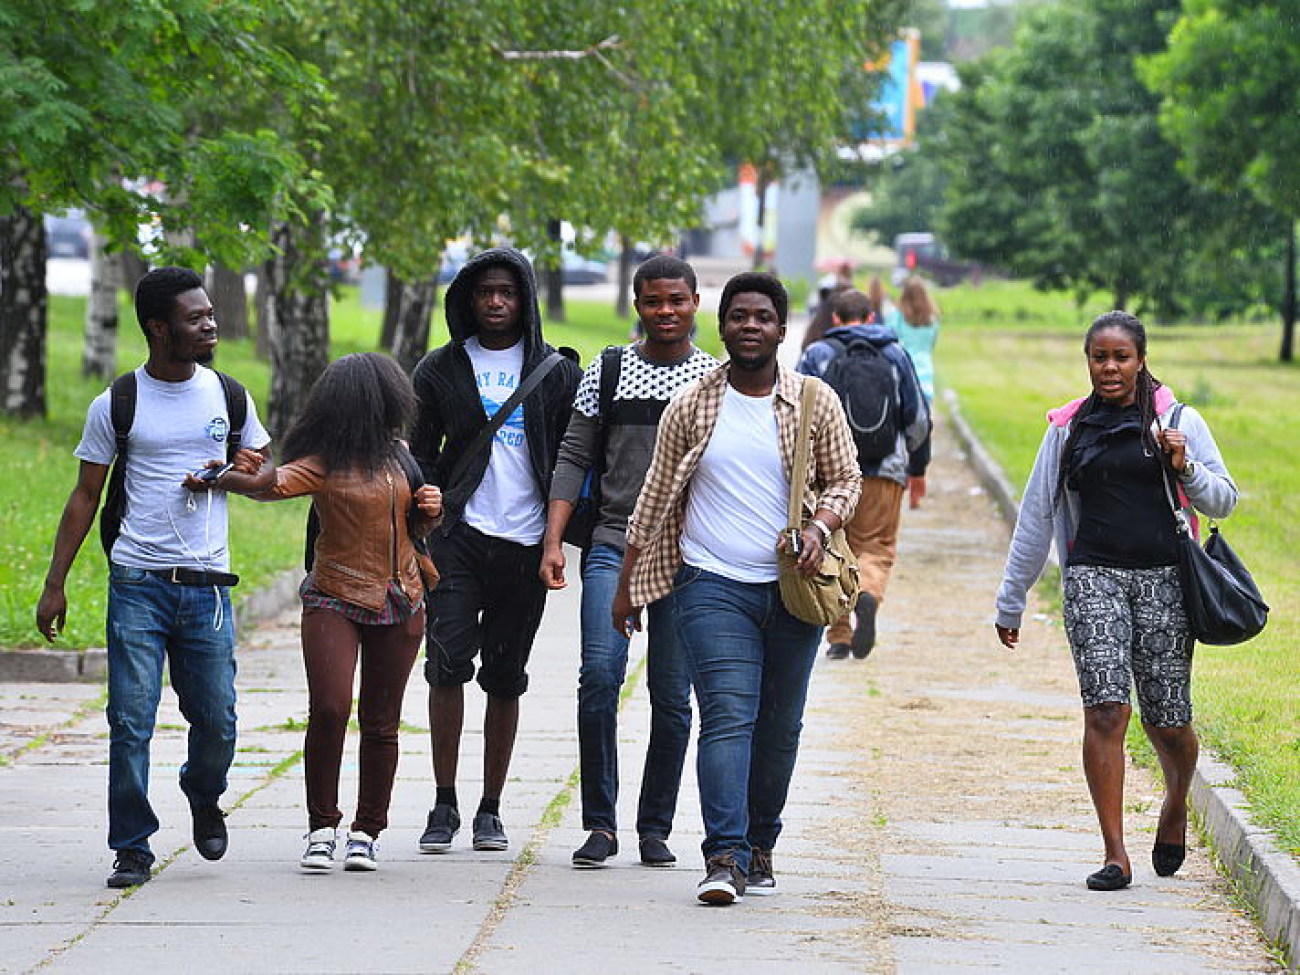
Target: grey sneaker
320	849
723	882
443	824
360	853
489	834
760	879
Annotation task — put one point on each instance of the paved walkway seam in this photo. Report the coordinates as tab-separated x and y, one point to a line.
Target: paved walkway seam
1266	875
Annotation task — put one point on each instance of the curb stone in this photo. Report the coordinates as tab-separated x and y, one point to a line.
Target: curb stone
91	665
1266	875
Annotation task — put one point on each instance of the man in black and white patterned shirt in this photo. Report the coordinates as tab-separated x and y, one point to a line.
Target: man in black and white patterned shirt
650	372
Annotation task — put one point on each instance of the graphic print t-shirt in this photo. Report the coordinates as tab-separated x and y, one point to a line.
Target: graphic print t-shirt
507	503
178	428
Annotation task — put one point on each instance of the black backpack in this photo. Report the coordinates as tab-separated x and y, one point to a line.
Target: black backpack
122	396
414	480
867	384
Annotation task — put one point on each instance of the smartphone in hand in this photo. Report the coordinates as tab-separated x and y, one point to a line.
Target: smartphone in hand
211	474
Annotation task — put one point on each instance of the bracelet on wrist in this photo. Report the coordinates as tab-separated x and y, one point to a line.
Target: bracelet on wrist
822	529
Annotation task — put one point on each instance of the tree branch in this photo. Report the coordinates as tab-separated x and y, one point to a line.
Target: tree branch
612	42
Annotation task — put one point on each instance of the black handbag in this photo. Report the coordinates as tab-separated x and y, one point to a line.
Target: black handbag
1223	604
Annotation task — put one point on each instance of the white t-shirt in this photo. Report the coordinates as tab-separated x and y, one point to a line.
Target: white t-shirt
736	507
178	428
507	503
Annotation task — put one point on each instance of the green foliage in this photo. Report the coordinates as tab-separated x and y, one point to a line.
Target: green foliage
1059	171
1231	85
122	99
1004	334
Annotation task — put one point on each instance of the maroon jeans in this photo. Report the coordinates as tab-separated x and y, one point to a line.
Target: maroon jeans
330	645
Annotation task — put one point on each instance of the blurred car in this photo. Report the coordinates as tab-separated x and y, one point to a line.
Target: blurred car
923	253
581	270
67	234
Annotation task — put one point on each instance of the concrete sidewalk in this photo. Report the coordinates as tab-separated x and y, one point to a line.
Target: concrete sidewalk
938	821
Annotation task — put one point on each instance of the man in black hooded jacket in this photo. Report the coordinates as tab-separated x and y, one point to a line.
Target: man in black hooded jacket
489	600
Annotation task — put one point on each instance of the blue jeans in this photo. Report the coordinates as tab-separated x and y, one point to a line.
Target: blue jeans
750	662
150	619
604	665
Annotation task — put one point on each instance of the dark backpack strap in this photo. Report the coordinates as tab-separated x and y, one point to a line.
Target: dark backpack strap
484	437
121	409
236	413
611	365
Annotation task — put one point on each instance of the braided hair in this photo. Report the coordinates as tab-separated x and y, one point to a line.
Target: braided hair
1147	384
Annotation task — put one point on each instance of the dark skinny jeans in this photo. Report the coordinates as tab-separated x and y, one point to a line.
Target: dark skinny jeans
330	645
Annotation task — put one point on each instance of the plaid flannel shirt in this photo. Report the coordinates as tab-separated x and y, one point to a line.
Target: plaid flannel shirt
834	480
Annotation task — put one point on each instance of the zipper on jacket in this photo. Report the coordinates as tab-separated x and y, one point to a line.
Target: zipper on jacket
392	497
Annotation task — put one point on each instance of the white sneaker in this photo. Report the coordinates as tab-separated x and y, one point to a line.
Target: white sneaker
320	849
360	852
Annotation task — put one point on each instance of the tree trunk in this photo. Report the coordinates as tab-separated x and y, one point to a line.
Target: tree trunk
760	242
1121	295
1289	300
410	306
393	288
298	319
23	313
262	311
99	348
230	301
553	278
621	303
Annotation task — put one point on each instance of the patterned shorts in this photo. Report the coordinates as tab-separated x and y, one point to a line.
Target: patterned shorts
1131	621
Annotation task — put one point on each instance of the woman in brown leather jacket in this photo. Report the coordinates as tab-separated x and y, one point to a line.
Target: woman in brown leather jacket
364	595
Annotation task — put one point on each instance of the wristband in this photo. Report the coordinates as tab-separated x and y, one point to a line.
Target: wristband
821	527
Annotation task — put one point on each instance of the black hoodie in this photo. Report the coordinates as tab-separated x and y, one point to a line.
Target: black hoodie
451	413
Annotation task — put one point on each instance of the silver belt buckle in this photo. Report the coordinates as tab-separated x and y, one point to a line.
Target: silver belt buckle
174	577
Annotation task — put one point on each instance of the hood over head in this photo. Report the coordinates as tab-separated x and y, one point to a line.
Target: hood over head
461	323
875	333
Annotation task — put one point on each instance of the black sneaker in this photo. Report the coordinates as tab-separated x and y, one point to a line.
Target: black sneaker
864	633
723	882
600	846
837	651
489	834
130	869
760	879
655	852
443	824
210	836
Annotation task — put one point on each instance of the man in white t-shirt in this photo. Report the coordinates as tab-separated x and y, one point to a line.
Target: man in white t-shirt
705	531
489	599
169	578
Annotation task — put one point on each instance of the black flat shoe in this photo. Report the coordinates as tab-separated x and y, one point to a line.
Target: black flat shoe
1167	858
1109	877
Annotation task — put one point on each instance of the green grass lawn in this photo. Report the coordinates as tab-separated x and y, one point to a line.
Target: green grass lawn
1011	353
39	469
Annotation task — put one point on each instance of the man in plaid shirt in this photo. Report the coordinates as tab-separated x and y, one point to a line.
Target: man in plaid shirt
730	439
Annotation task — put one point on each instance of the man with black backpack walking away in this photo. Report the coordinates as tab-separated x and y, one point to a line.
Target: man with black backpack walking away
183	436
874	377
